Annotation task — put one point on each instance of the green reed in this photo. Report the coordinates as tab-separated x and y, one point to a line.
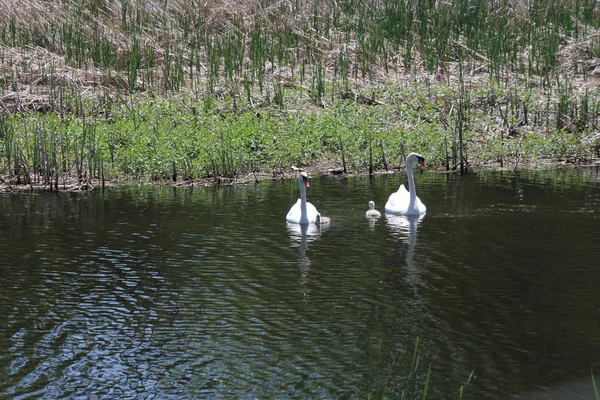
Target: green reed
317	86
258	51
232	47
394	382
7	136
462	117
151	141
596	393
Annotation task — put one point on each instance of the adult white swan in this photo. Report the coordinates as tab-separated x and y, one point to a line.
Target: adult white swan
403	201
303	212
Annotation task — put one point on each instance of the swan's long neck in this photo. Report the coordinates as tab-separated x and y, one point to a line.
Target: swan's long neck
303	213
411	184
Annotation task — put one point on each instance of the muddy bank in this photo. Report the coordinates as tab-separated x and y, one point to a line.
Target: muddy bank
73	184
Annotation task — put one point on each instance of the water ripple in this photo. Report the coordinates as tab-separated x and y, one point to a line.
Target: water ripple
184	294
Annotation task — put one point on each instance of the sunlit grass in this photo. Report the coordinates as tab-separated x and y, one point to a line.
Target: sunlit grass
193	140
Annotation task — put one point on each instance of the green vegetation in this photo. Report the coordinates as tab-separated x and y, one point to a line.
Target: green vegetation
179	90
394	381
400	384
596	394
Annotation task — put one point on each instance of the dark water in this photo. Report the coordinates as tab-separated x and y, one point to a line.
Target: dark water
155	292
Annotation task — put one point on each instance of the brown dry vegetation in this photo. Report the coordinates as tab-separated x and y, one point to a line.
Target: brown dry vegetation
43	58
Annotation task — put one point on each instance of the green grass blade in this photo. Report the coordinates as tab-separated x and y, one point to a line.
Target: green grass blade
426	389
463	387
594	385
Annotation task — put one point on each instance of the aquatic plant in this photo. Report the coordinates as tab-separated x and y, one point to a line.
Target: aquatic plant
594	386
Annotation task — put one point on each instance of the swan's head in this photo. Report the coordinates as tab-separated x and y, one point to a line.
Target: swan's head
371	205
303	178
415	157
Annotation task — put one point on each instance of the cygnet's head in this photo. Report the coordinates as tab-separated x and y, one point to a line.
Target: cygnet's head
372	212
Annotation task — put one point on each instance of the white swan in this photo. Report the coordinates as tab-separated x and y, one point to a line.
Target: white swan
372	212
403	201
303	212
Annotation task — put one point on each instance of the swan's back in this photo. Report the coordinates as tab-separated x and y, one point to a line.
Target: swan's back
399	203
293	216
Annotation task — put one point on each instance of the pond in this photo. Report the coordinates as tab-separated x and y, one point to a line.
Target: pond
161	292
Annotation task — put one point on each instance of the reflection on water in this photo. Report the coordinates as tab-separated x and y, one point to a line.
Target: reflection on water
372	222
404	227
301	235
169	293
305	233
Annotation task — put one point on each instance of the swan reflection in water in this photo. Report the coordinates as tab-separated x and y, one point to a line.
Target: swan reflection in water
404	227
300	236
372	222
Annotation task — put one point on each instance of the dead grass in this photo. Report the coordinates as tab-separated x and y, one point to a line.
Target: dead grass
34	74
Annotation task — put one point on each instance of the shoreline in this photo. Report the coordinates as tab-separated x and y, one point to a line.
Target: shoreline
73	185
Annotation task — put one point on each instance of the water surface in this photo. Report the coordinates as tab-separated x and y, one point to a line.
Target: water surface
160	292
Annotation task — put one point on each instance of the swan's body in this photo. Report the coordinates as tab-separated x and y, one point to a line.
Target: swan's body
372	212
405	201
303	212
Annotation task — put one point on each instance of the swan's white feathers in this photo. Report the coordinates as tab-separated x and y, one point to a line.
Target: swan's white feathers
372	212
400	202
294	216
